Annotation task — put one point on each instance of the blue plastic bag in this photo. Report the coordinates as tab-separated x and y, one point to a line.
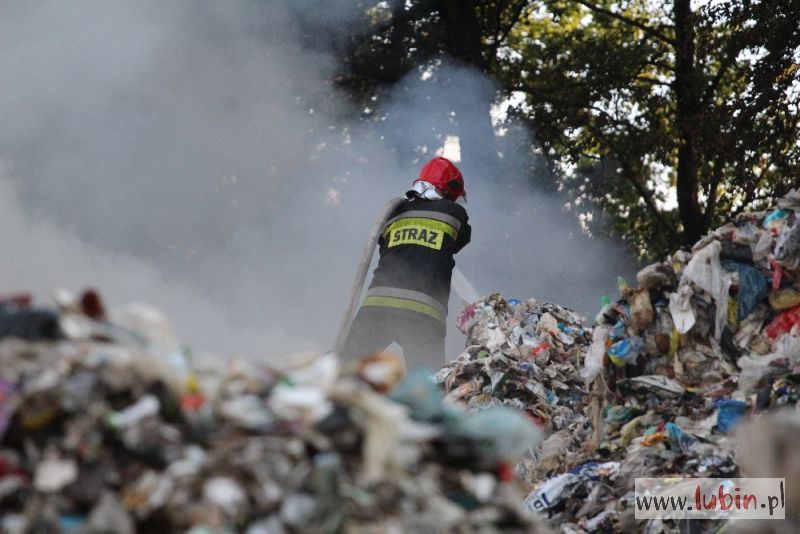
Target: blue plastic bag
752	286
625	351
729	413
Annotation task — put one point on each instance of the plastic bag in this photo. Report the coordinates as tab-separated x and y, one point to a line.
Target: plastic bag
787	245
552	491
752	286
729	414
625	351
594	356
420	395
783	322
736	252
619	415
705	270
641	309
783	299
655	276
775	219
501	432
680	307
763	247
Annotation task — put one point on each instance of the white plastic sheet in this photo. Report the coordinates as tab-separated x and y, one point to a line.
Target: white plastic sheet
680	307
706	272
594	356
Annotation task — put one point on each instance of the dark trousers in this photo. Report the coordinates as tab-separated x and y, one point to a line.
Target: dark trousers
374	328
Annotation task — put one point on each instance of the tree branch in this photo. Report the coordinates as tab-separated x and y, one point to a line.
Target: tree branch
622	18
711	89
646	195
711	193
652	81
497	23
514	18
749	196
400	15
586	155
661	65
502	30
539	91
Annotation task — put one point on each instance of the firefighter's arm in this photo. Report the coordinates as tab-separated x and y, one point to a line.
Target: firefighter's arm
464	235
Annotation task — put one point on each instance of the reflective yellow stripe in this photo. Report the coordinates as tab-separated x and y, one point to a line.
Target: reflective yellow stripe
408	294
425	214
404	304
431	224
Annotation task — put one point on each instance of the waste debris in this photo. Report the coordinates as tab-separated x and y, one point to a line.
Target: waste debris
110	427
541	424
524	355
659	384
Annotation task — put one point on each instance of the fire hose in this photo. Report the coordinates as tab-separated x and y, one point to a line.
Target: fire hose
361	271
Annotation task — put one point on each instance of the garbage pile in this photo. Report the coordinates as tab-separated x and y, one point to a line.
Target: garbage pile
106	426
709	338
525	355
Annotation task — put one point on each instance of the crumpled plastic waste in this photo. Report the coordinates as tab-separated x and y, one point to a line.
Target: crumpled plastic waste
752	287
705	271
114	429
625	351
19	319
729	414
667	412
593	364
667	391
680	307
115	426
783	323
534	369
659	384
560	487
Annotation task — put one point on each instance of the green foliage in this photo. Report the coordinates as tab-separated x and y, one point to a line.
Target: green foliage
606	96
665	119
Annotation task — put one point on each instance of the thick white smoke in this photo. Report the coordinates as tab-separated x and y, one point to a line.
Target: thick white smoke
195	155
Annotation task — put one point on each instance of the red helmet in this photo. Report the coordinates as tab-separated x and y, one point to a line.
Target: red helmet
445	177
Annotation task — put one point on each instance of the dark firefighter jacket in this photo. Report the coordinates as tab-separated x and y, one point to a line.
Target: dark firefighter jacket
417	245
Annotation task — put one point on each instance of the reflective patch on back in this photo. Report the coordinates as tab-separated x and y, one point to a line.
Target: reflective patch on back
418	231
416	235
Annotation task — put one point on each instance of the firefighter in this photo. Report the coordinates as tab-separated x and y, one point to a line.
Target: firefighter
407	299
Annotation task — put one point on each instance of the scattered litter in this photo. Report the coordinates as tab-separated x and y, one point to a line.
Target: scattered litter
662	382
105	423
111	428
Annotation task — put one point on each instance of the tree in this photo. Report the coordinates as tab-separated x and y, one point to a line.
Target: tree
637	99
401	36
665	117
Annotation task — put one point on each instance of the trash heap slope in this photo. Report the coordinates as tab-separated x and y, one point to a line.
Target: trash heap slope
657	386
527	356
114	430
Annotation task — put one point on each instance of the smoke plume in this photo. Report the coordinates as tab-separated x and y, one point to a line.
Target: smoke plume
195	155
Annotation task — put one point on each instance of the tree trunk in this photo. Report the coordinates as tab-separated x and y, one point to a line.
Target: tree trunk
687	96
